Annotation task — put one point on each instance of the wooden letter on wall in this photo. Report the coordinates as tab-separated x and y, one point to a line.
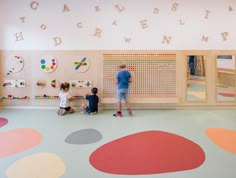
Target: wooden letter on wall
156	11
174	6
127	40
166	39
119	8
34	5
66	9
43	27
97	8
144	24
207	13
98	32
224	35
114	23
19	36
205	38
22	19
79	25
181	22
57	41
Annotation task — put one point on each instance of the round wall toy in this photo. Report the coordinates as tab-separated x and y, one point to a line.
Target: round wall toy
41	83
14	64
48	63
82	65
55	83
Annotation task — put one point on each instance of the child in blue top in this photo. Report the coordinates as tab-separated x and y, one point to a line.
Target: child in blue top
123	78
93	100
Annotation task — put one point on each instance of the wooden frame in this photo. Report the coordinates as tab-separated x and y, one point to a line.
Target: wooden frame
221	53
206	79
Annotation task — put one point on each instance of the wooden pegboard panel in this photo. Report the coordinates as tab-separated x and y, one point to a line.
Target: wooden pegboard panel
154	75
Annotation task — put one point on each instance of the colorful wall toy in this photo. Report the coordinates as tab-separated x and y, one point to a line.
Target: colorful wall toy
9	83
81	83
78	97
82	65
13	97
55	83
55	97
48	63
41	83
46	97
14	64
20	84
14	83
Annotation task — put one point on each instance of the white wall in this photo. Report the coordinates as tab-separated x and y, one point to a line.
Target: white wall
183	22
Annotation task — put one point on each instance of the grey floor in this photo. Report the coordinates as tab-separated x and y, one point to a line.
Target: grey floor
55	130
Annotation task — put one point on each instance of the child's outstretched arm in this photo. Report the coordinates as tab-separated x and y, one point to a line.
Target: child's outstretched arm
71	98
86	96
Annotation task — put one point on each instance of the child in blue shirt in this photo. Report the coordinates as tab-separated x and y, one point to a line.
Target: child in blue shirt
123	78
93	100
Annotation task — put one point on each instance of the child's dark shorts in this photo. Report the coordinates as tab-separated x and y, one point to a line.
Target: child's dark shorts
89	111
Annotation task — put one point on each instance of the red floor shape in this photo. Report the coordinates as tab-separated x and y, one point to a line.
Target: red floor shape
3	122
149	152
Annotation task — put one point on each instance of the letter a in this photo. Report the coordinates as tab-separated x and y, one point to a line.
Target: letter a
66	9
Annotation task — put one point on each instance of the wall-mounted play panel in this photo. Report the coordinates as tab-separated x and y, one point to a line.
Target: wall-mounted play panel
159	77
153	75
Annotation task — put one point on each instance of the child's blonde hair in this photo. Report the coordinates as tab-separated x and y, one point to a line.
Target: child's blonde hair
122	66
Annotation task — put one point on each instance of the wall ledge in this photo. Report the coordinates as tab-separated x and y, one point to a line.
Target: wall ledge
144	100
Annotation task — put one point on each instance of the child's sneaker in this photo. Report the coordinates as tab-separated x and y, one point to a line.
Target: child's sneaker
118	114
61	112
130	112
93	113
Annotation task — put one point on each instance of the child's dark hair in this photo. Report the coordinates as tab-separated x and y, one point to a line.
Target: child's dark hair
94	90
64	86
